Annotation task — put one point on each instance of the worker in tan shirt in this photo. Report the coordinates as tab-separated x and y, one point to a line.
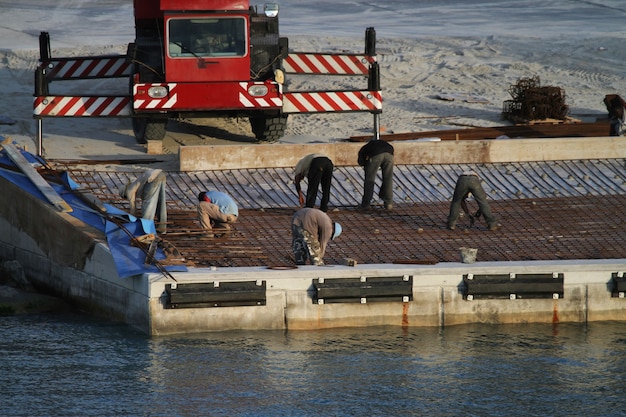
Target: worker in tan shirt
311	230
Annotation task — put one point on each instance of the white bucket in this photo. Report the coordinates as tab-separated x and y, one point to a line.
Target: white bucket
468	255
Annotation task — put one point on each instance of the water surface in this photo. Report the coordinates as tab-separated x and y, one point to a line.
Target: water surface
70	365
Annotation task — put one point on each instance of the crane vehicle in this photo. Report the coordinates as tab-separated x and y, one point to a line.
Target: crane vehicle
206	58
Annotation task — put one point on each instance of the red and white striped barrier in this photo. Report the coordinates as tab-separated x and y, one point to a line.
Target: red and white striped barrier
85	68
65	106
332	101
328	64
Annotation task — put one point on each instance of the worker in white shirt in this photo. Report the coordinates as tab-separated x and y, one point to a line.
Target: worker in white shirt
150	188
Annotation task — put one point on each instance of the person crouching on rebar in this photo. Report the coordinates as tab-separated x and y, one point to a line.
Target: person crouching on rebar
216	210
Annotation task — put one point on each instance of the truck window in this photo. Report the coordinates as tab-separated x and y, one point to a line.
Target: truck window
207	37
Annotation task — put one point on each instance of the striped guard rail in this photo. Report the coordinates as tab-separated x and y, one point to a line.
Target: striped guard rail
332	101
328	64
117	66
83	106
86	67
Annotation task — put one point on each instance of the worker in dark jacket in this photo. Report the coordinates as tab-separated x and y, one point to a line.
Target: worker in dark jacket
317	169
467	183
372	156
311	230
617	120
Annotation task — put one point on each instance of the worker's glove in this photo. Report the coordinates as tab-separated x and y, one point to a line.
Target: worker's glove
301	198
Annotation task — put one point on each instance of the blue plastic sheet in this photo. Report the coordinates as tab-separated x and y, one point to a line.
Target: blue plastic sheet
129	260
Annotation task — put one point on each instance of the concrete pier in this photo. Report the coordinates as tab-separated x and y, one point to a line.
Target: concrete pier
66	257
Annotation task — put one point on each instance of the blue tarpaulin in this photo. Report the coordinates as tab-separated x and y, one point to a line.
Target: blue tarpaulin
117	225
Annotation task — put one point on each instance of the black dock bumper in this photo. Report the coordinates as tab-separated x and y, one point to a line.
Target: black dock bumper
216	294
363	290
513	286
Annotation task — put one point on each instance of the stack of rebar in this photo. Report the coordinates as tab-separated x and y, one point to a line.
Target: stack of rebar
531	101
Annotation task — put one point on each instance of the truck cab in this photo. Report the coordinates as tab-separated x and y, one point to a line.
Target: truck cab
205	58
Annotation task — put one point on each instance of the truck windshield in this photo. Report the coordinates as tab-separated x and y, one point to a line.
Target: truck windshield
201	37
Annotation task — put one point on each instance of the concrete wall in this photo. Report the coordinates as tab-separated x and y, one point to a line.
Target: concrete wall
63	256
200	158
437	298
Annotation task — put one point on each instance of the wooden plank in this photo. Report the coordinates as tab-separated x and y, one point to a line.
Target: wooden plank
463	97
541	130
42	185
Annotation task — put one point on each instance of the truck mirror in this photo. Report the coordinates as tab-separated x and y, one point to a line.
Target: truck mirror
271	9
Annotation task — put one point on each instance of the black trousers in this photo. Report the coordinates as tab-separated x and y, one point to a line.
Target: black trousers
469	184
320	172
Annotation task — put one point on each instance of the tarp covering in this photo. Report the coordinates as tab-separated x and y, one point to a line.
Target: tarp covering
117	225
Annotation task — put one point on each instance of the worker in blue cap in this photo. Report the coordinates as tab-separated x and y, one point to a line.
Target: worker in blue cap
311	230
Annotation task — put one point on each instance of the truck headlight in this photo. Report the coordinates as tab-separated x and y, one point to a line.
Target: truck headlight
157	92
258	90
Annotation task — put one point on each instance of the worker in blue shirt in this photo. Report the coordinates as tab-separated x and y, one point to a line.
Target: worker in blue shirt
216	210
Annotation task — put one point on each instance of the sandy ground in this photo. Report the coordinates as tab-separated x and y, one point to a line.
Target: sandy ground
414	77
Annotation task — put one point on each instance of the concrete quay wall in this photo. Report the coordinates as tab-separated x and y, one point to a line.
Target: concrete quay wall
437	298
65	257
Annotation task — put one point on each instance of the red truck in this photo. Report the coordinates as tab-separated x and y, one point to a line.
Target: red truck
206	58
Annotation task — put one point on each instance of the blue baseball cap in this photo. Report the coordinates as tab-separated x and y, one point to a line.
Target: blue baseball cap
337	231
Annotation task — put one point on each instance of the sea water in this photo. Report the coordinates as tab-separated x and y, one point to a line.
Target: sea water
71	365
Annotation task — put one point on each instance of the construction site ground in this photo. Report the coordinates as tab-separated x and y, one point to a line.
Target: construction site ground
558	210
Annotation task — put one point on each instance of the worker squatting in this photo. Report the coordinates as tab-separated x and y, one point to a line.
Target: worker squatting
311	228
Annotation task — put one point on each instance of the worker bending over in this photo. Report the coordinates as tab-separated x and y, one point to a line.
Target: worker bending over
467	183
150	187
372	156
318	169
311	230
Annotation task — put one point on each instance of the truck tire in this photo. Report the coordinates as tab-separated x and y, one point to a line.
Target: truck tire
268	129
149	129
